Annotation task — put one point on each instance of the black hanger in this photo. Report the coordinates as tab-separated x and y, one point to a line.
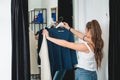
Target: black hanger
60	19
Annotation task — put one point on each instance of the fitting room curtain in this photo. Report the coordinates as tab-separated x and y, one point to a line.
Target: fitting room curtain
65	9
114	40
20	40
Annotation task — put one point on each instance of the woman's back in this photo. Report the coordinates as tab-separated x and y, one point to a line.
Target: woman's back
86	60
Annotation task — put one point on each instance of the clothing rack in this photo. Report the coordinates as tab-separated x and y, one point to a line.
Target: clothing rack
37	19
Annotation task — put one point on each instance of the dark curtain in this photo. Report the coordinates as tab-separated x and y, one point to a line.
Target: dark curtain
114	40
20	40
65	9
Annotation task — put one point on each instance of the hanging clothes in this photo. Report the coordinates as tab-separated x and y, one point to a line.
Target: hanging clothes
45	64
50	51
64	58
39	18
61	58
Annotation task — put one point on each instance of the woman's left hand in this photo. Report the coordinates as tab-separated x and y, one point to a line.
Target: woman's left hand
45	32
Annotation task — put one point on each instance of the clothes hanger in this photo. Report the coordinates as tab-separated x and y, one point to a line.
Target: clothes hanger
60	25
60	22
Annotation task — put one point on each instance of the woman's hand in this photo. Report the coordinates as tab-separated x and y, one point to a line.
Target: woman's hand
45	32
66	25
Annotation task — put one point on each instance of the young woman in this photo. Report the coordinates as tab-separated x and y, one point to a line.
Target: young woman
89	50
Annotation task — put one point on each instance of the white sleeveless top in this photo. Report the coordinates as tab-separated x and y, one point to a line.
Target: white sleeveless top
86	60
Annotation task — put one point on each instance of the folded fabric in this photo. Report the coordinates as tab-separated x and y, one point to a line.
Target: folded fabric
39	18
45	64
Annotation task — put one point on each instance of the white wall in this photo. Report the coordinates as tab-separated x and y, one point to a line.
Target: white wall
88	10
99	9
34	4
5	40
49	4
79	16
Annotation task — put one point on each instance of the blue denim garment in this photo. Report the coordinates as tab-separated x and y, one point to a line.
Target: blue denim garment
59	75
82	74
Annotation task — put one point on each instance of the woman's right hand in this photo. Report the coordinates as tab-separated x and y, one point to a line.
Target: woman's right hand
66	25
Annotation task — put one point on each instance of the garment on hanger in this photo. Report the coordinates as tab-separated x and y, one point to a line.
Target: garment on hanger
64	58
40	38
45	64
61	58
50	52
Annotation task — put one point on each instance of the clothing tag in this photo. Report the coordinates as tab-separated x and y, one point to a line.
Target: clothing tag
60	30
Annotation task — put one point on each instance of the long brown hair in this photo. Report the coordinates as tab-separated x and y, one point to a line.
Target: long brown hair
96	32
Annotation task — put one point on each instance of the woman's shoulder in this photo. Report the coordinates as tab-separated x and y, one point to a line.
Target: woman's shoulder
86	46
